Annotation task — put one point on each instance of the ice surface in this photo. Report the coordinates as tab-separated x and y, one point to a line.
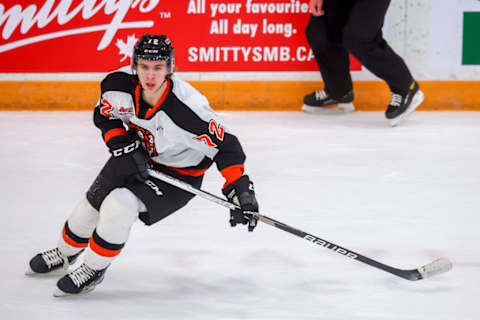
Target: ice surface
403	196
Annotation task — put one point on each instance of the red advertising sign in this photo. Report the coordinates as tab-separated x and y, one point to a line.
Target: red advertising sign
48	36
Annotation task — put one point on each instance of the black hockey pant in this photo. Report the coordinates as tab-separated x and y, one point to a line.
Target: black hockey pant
160	198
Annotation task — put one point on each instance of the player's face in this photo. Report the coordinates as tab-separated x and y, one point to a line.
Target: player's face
151	74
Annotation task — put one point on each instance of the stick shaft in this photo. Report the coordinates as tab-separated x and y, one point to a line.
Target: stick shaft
413	274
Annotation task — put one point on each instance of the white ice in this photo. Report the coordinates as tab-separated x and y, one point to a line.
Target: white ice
403	196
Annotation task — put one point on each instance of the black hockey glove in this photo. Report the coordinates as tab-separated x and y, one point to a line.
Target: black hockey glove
131	161
242	193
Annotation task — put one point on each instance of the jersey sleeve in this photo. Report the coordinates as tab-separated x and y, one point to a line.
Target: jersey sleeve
112	130
210	136
230	159
113	108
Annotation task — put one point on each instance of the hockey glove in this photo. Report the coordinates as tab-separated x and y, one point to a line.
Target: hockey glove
242	193
131	161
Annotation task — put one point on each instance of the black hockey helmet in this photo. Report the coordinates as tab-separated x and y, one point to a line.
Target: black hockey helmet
154	47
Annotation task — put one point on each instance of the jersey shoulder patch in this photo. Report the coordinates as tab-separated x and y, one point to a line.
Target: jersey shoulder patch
116	101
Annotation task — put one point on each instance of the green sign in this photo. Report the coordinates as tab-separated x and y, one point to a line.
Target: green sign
471	38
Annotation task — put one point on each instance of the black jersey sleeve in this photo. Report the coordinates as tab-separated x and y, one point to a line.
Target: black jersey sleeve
116	91
230	159
230	152
112	130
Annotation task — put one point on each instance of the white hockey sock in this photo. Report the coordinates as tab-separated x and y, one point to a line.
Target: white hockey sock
118	212
78	228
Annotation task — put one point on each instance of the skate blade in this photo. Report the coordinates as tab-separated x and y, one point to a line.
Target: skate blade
56	273
30	272
52	274
335	109
60	294
416	101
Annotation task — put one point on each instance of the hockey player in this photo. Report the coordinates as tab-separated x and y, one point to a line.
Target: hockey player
337	28
147	118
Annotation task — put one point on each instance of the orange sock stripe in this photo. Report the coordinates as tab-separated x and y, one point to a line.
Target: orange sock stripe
71	242
102	251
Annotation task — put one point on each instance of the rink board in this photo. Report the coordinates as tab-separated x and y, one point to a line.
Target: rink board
239	95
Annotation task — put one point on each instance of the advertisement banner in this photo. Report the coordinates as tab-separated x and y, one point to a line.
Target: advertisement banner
54	36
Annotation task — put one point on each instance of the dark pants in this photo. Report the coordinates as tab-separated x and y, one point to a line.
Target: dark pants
354	26
160	198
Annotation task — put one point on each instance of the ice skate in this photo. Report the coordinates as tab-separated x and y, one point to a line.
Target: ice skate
50	261
81	280
401	106
320	102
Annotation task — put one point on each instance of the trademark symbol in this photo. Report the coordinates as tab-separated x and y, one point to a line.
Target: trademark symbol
165	15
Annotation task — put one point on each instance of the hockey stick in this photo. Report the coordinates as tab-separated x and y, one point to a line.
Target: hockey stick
438	266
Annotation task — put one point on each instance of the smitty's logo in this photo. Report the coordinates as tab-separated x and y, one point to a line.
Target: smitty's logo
69	17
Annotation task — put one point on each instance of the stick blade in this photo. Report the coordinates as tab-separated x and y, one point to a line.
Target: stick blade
438	266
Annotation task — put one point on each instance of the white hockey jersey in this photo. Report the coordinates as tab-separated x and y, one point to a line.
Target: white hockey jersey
181	132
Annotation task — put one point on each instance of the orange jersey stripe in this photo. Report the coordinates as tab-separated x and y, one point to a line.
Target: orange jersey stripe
150	112
232	173
137	98
71	242
113	133
162	98
102	251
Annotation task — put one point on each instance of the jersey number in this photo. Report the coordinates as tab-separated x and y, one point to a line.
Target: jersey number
216	129
206	139
106	108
